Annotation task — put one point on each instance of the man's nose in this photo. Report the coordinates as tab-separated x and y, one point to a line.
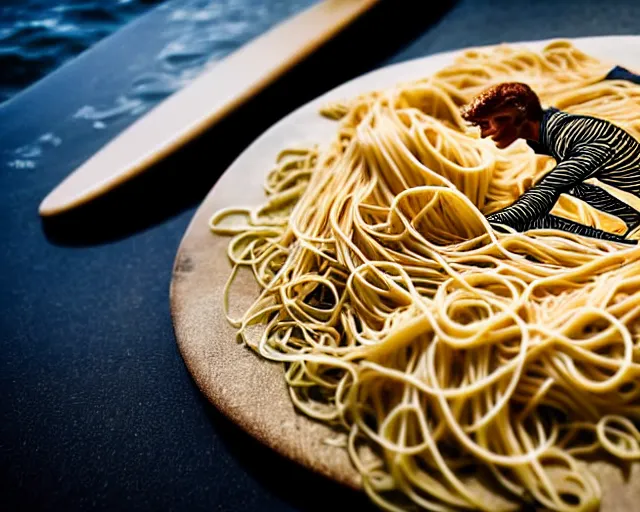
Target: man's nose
486	132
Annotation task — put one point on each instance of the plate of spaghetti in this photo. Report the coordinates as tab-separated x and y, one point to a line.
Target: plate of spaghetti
343	295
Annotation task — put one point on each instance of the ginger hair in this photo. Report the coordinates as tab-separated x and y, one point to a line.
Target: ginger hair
500	97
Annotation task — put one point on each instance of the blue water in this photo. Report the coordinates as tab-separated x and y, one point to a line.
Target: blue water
37	36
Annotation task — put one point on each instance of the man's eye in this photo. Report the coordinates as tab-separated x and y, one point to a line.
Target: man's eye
502	119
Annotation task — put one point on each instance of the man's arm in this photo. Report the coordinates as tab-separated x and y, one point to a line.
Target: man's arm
539	200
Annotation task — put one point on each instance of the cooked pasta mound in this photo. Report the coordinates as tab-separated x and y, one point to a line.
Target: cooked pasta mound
458	362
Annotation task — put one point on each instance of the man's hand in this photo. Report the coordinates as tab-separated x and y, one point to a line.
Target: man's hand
498	222
495	217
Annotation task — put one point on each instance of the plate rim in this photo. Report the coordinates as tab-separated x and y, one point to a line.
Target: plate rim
384	69
232	415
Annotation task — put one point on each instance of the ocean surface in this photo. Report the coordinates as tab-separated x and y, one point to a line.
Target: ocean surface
38	36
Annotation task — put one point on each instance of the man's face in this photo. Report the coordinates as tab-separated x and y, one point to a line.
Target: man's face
502	127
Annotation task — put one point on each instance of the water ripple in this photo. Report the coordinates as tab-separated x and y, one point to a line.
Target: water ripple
199	34
37	37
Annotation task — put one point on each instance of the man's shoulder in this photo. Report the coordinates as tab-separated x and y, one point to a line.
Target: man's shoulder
561	131
569	128
556	115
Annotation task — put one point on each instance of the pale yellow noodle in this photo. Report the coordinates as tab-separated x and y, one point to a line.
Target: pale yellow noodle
407	323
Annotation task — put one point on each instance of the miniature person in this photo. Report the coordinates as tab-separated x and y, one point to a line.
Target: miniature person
584	147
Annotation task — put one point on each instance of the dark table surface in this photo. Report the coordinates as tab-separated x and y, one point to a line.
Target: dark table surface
97	410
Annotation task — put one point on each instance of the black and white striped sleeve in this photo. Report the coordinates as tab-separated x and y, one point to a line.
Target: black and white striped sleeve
583	162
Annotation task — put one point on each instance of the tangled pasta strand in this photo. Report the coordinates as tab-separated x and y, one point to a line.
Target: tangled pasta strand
438	346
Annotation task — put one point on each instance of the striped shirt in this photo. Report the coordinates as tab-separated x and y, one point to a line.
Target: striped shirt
584	147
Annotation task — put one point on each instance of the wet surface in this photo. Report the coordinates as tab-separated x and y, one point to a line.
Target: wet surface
98	411
38	36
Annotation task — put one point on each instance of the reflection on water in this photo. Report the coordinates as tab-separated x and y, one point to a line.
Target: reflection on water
200	33
37	36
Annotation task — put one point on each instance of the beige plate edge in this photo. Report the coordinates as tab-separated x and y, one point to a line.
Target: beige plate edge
251	391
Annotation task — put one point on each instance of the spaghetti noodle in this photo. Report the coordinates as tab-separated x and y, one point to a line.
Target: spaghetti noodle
458	361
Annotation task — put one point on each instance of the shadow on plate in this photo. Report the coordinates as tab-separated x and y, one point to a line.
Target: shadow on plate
289	481
277	473
182	180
